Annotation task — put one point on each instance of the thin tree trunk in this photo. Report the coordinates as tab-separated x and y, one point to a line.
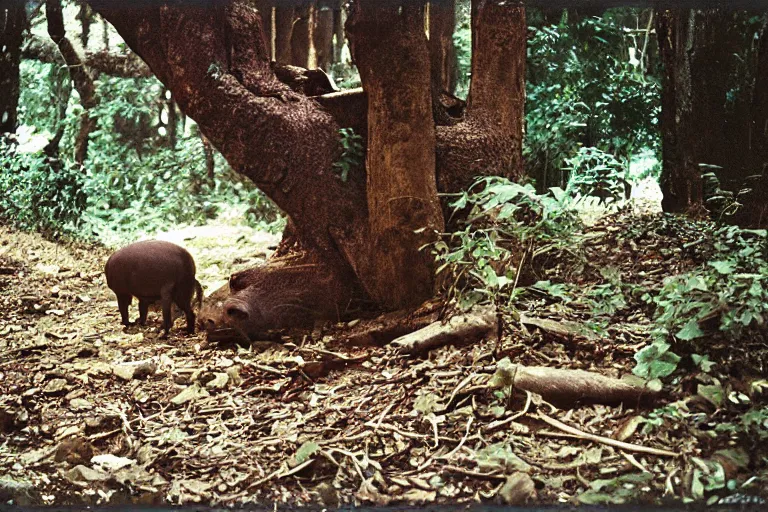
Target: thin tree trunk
80	76
62	88
758	133
401	189
12	22
105	35
210	163
284	16
338	30
323	34
301	37
84	16
173	122
265	12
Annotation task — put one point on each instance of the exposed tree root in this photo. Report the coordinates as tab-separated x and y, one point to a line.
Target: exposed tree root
567	388
463	329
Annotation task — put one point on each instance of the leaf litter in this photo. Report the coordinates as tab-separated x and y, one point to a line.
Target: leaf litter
91	414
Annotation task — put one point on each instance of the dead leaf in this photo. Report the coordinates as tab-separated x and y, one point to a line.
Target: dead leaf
81	475
189	394
519	489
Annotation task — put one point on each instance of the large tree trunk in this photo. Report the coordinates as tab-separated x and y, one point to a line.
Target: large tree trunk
284	16
220	76
302	36
323	34
693	51
402	192
489	140
12	21
754	212
79	74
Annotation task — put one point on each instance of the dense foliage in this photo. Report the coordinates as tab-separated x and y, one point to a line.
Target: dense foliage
134	180
39	193
586	87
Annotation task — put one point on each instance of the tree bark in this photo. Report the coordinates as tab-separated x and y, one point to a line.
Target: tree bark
489	140
442	21
301	37
692	51
173	121
79	74
323	34
265	12
401	189
284	16
210	163
105	35
12	22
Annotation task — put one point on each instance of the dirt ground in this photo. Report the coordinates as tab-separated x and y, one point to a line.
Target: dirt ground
93	414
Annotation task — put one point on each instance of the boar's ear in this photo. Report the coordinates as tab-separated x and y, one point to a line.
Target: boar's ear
237	282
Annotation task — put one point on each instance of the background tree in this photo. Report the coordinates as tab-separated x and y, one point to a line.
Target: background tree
301	36
693	52
442	22
323	34
79	73
12	24
284	17
265	9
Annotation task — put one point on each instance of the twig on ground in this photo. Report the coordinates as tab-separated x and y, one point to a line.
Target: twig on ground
605	440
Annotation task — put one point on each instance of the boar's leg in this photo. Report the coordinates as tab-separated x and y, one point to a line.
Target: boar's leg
190	321
166	298
123	301
143	309
187	308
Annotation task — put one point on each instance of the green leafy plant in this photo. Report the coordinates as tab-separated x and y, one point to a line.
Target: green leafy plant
727	292
599	174
508	225
352	156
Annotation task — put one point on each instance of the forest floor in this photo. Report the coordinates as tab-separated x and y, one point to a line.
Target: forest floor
93	414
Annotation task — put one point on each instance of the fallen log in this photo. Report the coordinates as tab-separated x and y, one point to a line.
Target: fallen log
460	329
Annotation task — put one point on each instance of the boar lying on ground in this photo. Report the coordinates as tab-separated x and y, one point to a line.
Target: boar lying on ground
292	291
150	271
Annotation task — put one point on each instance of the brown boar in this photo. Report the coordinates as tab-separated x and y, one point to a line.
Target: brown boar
150	271
292	291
